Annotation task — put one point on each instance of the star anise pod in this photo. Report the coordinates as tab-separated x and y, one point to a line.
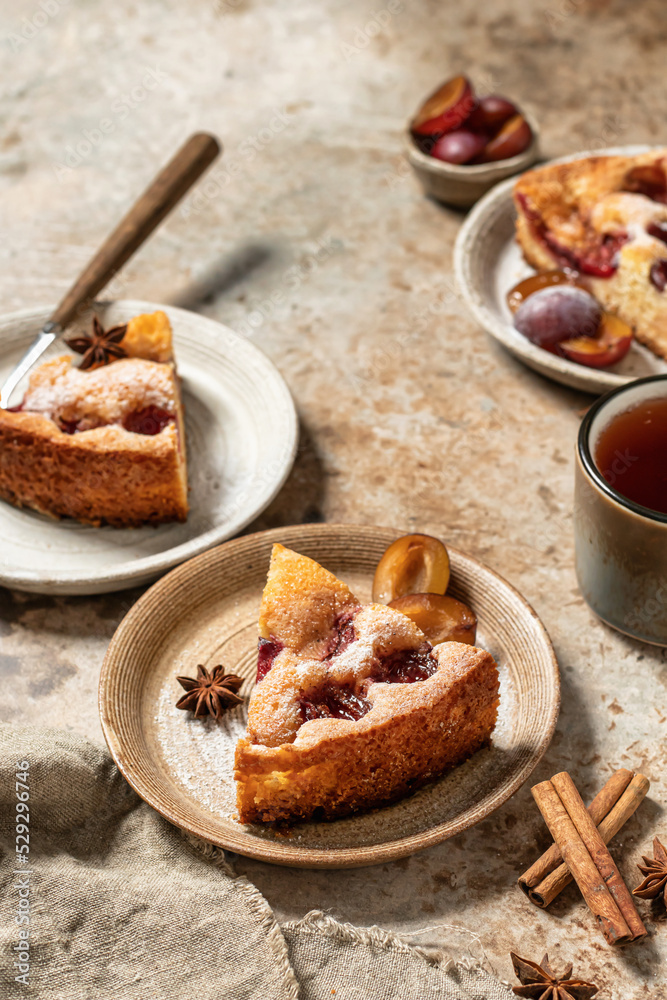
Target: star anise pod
209	693
655	871
540	982
100	346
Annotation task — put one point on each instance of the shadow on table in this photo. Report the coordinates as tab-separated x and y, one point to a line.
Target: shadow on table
93	617
225	273
302	498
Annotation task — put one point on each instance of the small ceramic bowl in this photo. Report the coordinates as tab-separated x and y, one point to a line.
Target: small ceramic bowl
620	546
461	185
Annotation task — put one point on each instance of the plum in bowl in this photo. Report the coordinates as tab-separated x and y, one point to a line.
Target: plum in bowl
460	145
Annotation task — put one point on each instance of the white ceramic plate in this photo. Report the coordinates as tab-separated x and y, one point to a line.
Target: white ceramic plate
488	262
241	430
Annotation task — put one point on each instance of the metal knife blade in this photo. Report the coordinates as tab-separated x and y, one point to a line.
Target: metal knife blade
45	338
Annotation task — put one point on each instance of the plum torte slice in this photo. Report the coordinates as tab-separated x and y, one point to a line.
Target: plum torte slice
102	444
353	707
604	217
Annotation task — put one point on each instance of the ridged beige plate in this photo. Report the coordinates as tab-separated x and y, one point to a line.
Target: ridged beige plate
241	433
488	263
206	612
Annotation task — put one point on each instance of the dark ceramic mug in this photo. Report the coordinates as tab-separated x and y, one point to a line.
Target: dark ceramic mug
620	546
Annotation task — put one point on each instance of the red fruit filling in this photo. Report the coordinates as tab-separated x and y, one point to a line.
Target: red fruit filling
267	651
68	426
405	666
658	230
333	701
596	259
658	274
340	701
649	180
149	420
343	635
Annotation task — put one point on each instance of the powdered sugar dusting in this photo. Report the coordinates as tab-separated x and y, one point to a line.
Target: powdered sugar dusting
275	710
631	212
102	396
507	710
200	752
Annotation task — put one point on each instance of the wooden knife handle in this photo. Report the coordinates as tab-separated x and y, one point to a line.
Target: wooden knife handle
157	201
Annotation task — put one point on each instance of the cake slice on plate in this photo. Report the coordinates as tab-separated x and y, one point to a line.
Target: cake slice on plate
103	442
353	707
604	217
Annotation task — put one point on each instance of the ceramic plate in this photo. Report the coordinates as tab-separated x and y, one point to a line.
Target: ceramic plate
488	263
241	430
206	612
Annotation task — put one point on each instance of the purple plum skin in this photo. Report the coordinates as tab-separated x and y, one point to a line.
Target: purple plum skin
459	146
559	313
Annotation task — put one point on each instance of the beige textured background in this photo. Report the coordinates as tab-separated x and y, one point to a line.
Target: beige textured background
312	237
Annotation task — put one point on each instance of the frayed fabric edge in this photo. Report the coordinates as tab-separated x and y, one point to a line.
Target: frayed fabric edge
318	922
257	905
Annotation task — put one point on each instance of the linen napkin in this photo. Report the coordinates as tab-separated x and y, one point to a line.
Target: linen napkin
342	962
108	900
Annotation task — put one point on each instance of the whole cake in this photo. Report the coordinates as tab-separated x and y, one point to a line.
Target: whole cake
604	217
353	707
103	442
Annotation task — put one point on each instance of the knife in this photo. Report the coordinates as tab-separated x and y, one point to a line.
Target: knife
173	181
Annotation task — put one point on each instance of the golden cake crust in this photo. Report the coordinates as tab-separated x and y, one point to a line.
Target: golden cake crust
100	476
301	599
289	769
594	207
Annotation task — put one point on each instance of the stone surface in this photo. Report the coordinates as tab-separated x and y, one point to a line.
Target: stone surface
312	237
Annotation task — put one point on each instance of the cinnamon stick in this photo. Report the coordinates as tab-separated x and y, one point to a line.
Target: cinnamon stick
546	891
597	849
603	802
583	868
